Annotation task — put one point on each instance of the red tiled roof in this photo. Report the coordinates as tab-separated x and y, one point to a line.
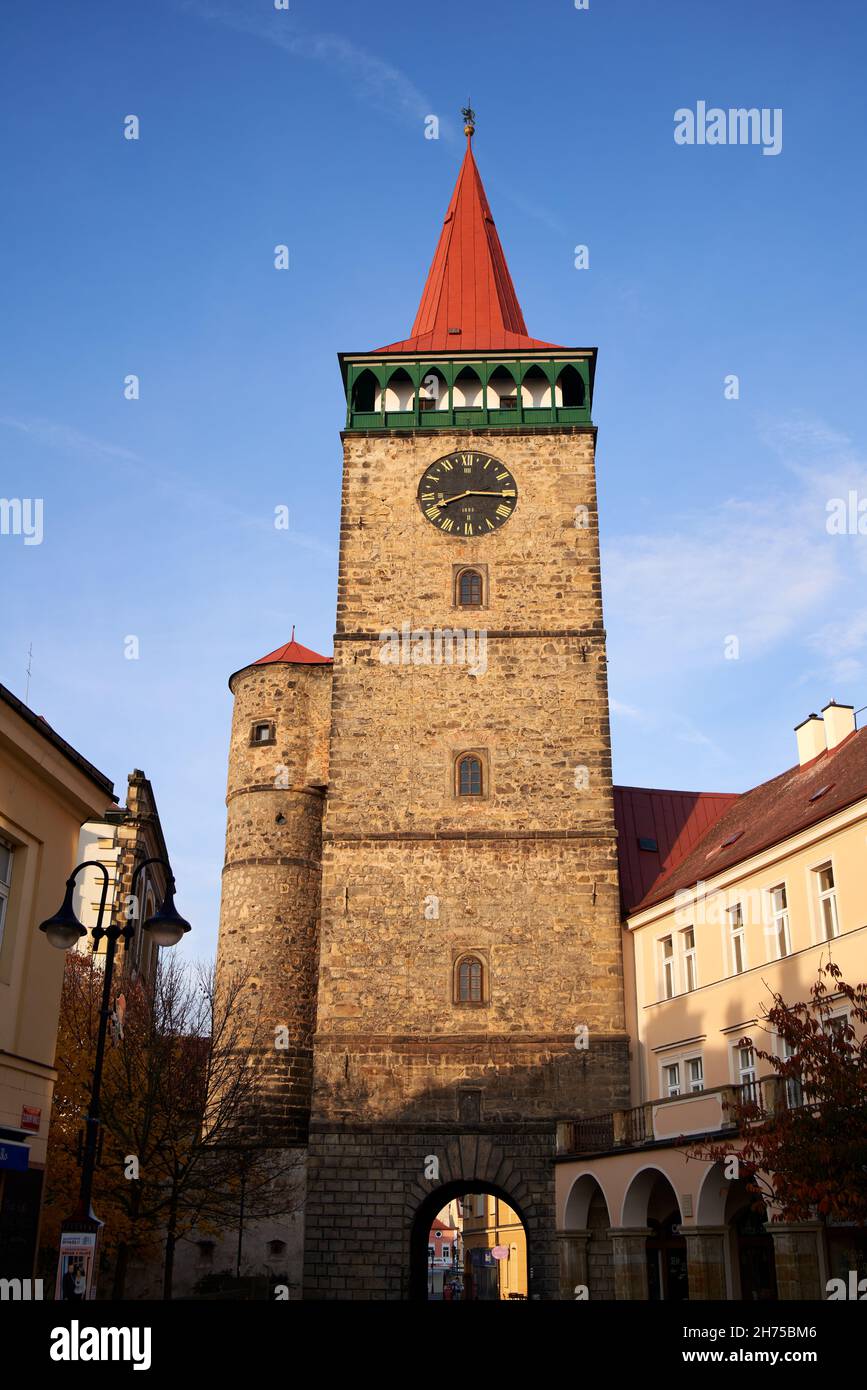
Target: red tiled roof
770	813
291	652
676	821
438	1225
295	654
468	285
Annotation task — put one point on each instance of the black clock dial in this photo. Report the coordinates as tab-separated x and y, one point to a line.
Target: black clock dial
467	494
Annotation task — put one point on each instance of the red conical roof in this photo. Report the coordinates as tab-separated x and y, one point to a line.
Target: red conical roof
295	654
291	652
469	286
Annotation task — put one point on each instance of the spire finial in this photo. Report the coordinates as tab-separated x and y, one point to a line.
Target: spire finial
292	639
469	116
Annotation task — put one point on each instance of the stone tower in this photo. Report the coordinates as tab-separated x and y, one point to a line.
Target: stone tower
269	914
469	930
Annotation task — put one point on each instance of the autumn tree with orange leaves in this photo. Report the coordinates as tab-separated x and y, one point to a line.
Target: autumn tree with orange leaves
805	1152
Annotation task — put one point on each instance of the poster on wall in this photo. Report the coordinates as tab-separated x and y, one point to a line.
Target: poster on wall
76	1267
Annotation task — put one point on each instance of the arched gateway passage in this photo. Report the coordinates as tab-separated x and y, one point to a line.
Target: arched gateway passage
478	1272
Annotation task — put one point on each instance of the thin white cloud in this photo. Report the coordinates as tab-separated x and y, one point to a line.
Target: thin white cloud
377	82
68	438
624	711
764	570
204	500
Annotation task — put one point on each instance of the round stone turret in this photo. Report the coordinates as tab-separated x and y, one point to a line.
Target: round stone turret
269	916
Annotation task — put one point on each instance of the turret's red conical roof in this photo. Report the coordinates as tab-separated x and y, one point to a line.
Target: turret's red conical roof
291	652
295	654
469	286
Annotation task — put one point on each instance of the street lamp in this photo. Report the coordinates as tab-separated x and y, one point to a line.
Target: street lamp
64	931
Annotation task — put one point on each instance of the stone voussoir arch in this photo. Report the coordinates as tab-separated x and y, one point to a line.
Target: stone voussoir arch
468	1164
474	1160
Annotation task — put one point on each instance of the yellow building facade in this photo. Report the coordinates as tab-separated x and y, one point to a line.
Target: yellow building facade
47	791
490	1224
774	889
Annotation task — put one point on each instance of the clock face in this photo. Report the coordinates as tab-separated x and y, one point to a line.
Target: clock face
467	494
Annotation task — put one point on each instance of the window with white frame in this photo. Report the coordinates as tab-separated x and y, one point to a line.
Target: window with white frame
666	952
738	939
5	883
745	1062
690	973
683	1076
794	1091
779	909
828	918
836	1022
695	1073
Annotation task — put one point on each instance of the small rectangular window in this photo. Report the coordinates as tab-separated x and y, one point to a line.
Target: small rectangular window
427	403
745	1059
690	974
780	921
5	883
695	1074
738	939
828	917
794	1089
666	947
671	1075
508	402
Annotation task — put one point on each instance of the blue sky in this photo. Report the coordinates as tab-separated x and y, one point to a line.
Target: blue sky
306	127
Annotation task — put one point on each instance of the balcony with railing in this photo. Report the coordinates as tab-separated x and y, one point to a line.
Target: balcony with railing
674	1117
406	393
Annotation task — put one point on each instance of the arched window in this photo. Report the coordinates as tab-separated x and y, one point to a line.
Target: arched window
364	392
467	390
536	389
433	392
399	392
470	775
469	589
470	980
570	387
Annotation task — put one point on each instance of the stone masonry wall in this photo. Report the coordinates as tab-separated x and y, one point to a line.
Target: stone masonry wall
365	1188
270	902
523	877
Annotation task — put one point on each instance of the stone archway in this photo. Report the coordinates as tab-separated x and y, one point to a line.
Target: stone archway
424	1216
471	1164
586	1247
652	1238
732	1235
361	1209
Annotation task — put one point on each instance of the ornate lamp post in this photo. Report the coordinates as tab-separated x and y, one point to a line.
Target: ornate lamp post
64	930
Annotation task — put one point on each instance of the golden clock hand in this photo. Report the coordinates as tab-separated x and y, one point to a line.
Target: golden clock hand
474	492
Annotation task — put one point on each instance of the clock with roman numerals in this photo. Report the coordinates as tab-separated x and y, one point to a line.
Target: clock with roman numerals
467	494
